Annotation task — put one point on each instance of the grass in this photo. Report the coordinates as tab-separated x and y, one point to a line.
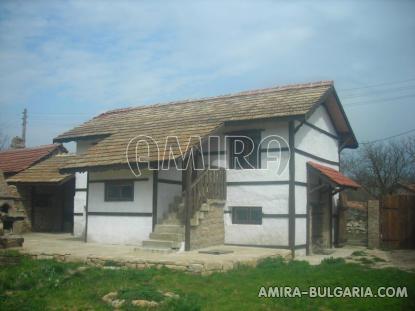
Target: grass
46	285
359	253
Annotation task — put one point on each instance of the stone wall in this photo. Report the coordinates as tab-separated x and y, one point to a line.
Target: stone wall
356	223
373	233
208	226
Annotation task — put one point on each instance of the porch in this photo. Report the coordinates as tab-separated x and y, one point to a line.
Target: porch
64	247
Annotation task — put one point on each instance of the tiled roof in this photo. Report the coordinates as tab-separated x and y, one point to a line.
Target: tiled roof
188	118
46	171
16	160
335	176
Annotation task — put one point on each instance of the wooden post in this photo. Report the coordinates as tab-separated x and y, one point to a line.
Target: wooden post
188	203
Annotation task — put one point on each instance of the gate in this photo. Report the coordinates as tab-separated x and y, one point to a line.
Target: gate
397	221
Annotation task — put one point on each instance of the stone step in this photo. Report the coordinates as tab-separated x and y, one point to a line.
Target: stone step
166	228
175	237
161	244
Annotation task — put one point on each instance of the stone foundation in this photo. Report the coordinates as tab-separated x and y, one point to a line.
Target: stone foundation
209	228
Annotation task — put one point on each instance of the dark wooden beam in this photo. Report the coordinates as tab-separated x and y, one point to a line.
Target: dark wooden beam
86	207
188	205
291	191
155	194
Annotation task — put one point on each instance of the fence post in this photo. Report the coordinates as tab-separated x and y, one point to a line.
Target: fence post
373	224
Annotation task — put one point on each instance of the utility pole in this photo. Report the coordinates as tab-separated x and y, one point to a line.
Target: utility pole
24	118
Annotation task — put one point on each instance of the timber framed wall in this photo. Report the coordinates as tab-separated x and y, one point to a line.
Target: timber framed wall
119	222
315	140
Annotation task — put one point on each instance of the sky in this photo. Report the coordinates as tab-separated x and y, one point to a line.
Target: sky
67	61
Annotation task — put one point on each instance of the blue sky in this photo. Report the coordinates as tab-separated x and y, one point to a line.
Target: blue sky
67	61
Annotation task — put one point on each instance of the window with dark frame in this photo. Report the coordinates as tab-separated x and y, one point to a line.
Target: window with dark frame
244	150
247	215
119	191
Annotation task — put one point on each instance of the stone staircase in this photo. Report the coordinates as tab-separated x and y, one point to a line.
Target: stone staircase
168	236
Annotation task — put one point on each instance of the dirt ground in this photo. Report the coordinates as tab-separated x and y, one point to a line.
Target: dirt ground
375	258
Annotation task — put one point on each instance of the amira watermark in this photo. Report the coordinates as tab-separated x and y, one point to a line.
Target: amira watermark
229	151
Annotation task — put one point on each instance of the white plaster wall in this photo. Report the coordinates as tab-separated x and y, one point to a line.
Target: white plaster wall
300	231
80	180
166	192
82	146
301	167
165	196
79	205
143	199
119	229
300	200
272	198
321	119
273	231
314	142
319	144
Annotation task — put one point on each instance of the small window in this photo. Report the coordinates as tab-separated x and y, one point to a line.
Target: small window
119	191
244	150
247	215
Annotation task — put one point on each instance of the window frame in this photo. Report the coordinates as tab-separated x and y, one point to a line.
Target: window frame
255	135
251	220
118	183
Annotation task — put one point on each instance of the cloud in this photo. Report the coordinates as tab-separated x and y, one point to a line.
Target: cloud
88	56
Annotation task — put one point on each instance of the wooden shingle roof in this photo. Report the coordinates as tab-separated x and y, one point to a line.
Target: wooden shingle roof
16	160
46	171
184	119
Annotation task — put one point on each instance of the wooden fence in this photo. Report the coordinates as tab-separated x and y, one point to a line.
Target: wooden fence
397	221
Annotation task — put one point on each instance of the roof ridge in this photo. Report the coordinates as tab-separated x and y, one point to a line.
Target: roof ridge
229	95
31	148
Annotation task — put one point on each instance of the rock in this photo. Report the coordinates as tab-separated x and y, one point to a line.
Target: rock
117	303
108	298
144	303
171	295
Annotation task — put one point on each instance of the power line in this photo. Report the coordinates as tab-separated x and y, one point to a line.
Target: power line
389	137
377	85
378	101
403	88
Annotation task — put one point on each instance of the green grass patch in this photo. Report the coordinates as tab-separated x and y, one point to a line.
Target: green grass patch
46	284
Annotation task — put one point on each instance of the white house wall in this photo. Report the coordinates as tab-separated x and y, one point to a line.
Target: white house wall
119	229
319	147
80	205
119	222
169	185
267	188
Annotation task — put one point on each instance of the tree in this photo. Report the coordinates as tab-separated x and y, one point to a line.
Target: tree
4	141
380	166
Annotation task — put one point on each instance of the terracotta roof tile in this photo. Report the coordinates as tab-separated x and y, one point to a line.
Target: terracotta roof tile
16	160
335	176
46	171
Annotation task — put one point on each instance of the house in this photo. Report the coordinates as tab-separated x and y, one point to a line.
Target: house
13	161
263	171
45	193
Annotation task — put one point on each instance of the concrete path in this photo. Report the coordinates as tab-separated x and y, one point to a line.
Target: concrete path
64	247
